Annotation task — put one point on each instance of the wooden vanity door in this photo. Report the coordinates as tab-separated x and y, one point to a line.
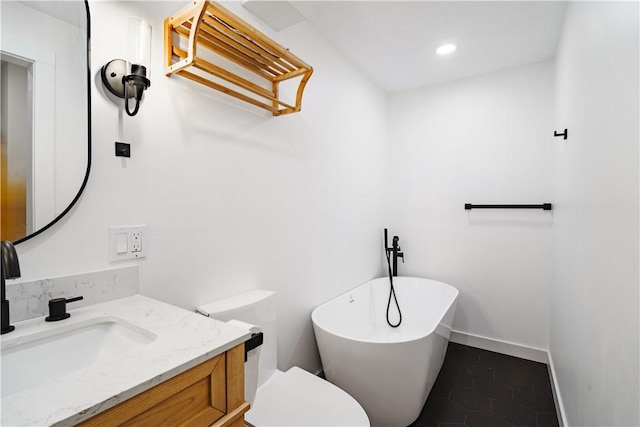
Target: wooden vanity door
210	394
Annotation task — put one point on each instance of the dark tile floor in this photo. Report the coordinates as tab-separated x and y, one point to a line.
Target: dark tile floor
479	388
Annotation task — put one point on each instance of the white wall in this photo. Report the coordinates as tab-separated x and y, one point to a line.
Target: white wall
233	198
482	140
594	321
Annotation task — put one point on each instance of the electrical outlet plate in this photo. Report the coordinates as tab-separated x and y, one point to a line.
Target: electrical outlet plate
127	242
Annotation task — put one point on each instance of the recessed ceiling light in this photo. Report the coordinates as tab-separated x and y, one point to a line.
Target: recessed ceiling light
446	49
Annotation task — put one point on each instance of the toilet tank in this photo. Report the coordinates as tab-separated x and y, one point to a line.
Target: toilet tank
257	308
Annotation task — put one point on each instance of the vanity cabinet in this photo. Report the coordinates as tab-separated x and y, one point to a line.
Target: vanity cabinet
209	394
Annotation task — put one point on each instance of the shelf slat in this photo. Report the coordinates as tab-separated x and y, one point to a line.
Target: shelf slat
221	88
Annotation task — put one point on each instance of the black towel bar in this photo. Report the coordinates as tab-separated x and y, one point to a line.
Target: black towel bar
543	206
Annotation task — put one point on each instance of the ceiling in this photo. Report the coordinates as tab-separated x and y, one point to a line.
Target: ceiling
72	12
394	42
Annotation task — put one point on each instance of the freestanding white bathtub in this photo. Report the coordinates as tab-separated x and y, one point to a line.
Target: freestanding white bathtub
389	371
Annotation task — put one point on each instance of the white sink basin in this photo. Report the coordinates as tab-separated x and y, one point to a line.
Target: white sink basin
63	373
44	356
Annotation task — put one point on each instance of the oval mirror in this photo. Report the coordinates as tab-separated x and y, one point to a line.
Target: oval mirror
45	113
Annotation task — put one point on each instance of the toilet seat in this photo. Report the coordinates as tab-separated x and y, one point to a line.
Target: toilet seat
298	398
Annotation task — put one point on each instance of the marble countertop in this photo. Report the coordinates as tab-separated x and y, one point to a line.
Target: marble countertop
179	340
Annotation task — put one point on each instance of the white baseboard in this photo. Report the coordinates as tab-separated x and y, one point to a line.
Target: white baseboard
517	350
504	347
557	397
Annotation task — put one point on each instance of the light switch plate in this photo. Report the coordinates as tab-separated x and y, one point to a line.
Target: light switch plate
127	242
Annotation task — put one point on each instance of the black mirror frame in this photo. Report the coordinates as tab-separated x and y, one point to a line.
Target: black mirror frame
86	175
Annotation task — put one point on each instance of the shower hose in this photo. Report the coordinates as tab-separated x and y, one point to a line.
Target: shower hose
392	294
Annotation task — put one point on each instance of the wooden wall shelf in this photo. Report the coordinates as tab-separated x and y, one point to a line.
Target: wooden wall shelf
248	64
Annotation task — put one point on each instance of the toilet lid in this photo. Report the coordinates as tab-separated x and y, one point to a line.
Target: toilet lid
298	398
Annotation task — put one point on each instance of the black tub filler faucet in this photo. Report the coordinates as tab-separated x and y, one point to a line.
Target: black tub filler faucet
393	251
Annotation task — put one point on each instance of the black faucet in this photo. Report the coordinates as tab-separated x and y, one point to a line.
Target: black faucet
394	250
10	270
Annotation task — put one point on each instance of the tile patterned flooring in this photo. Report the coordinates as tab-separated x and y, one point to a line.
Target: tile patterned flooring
480	388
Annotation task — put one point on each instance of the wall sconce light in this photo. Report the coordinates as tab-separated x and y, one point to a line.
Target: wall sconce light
129	78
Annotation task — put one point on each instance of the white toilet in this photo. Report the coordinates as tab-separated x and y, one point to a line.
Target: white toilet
278	399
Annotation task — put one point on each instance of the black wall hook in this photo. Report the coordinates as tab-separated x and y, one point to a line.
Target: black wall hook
565	134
